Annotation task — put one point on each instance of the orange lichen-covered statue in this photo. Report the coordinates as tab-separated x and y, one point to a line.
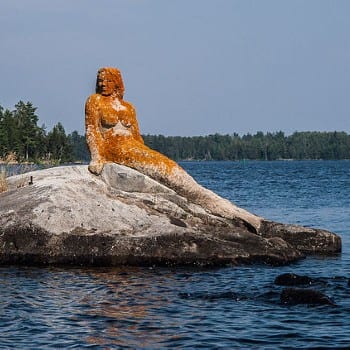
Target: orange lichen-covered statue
113	135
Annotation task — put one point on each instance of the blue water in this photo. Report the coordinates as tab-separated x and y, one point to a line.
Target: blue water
233	307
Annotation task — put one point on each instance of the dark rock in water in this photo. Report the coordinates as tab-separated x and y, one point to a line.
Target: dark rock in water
291	279
307	240
295	296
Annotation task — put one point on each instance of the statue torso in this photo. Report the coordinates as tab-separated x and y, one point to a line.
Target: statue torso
115	116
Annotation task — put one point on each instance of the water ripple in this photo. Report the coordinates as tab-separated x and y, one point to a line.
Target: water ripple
147	308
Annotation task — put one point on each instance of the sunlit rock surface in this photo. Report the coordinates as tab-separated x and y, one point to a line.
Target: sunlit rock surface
72	217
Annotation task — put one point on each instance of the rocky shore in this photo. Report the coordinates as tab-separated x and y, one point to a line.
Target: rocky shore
68	216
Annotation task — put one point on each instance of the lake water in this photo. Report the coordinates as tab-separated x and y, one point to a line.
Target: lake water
233	307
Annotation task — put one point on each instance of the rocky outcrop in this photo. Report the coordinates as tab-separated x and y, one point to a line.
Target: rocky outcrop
305	239
66	215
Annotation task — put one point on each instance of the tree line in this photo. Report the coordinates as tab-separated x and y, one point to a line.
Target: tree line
260	146
22	139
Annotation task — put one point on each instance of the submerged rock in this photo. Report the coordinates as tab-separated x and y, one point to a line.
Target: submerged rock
213	296
291	279
295	296
69	216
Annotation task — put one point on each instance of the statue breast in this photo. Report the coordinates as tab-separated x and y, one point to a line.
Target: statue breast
116	129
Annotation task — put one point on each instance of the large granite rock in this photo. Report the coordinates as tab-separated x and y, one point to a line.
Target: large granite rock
66	215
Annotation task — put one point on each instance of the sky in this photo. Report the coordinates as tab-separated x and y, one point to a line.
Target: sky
190	67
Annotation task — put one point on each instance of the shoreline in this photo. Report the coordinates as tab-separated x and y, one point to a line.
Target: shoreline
187	161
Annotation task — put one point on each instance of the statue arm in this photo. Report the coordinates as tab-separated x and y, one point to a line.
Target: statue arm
93	135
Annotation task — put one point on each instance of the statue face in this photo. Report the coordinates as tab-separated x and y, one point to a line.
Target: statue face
106	84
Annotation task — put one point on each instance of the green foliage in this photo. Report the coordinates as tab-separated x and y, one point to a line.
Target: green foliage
79	149
269	146
20	134
58	147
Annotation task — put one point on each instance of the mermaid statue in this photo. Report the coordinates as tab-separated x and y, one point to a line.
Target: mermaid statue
113	135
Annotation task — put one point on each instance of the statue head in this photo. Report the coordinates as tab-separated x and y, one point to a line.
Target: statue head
109	81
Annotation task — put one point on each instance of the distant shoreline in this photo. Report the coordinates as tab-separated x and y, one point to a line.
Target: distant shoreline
3	163
258	160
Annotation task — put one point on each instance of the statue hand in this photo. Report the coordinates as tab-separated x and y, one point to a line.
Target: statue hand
95	167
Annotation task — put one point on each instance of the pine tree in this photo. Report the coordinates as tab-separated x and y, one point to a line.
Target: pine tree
28	135
57	145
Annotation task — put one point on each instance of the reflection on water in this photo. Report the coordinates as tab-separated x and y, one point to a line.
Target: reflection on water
147	308
128	303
